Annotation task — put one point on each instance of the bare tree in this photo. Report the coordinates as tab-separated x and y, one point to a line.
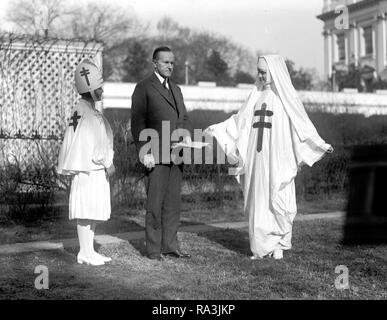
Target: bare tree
105	22
196	46
31	16
168	28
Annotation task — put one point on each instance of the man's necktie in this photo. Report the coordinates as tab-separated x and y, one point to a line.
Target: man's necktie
165	83
170	95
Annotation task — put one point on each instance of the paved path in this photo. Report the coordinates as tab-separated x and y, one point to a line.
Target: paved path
124	237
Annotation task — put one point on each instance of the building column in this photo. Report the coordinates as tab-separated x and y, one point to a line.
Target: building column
360	37
353	50
327	54
380	43
334	48
374	42
346	48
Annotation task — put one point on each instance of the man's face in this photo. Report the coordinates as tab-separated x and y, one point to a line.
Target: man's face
164	63
264	76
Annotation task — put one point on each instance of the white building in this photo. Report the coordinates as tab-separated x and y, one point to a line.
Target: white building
362	40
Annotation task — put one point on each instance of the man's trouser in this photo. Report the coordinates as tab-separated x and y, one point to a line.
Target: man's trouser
163	186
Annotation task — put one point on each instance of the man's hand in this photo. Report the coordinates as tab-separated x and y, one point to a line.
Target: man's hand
186	141
149	161
110	171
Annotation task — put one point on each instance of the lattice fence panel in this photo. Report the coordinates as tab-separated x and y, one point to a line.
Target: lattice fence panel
37	93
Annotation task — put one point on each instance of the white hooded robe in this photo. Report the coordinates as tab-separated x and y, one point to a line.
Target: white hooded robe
86	151
267	174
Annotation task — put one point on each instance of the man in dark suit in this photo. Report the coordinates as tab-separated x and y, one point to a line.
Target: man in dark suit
156	102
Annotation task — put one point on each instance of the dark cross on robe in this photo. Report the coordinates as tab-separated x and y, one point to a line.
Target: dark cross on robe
84	73
261	124
75	118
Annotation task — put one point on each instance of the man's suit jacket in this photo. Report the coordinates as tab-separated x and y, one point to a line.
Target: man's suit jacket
152	104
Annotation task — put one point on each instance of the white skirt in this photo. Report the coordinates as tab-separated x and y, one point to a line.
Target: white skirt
90	196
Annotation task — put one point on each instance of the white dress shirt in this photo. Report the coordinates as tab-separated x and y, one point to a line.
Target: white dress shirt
162	79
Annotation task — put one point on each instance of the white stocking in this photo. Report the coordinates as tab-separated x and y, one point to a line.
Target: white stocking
83	230
91	238
91	243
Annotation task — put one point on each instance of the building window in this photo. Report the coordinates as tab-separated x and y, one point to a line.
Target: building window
341	46
367	39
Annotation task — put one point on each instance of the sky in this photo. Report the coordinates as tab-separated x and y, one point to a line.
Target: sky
286	27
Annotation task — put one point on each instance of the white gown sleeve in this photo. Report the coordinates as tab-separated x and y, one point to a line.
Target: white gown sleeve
226	135
232	135
309	147
77	149
103	149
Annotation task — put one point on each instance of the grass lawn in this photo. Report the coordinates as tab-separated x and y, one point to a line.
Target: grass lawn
57	226
219	269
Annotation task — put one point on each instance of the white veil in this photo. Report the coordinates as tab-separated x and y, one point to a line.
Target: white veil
232	134
310	147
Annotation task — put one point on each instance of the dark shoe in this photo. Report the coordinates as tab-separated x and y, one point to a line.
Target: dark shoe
156	256
177	254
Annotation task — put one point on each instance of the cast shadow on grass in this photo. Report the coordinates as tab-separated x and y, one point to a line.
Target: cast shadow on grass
67	279
72	245
232	242
139	245
235	240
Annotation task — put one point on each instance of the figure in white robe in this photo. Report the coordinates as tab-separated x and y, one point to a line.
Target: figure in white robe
87	149
270	138
87	155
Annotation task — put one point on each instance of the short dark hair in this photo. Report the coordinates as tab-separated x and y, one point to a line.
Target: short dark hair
160	49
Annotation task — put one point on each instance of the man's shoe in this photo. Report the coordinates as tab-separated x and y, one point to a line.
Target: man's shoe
156	256
177	254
